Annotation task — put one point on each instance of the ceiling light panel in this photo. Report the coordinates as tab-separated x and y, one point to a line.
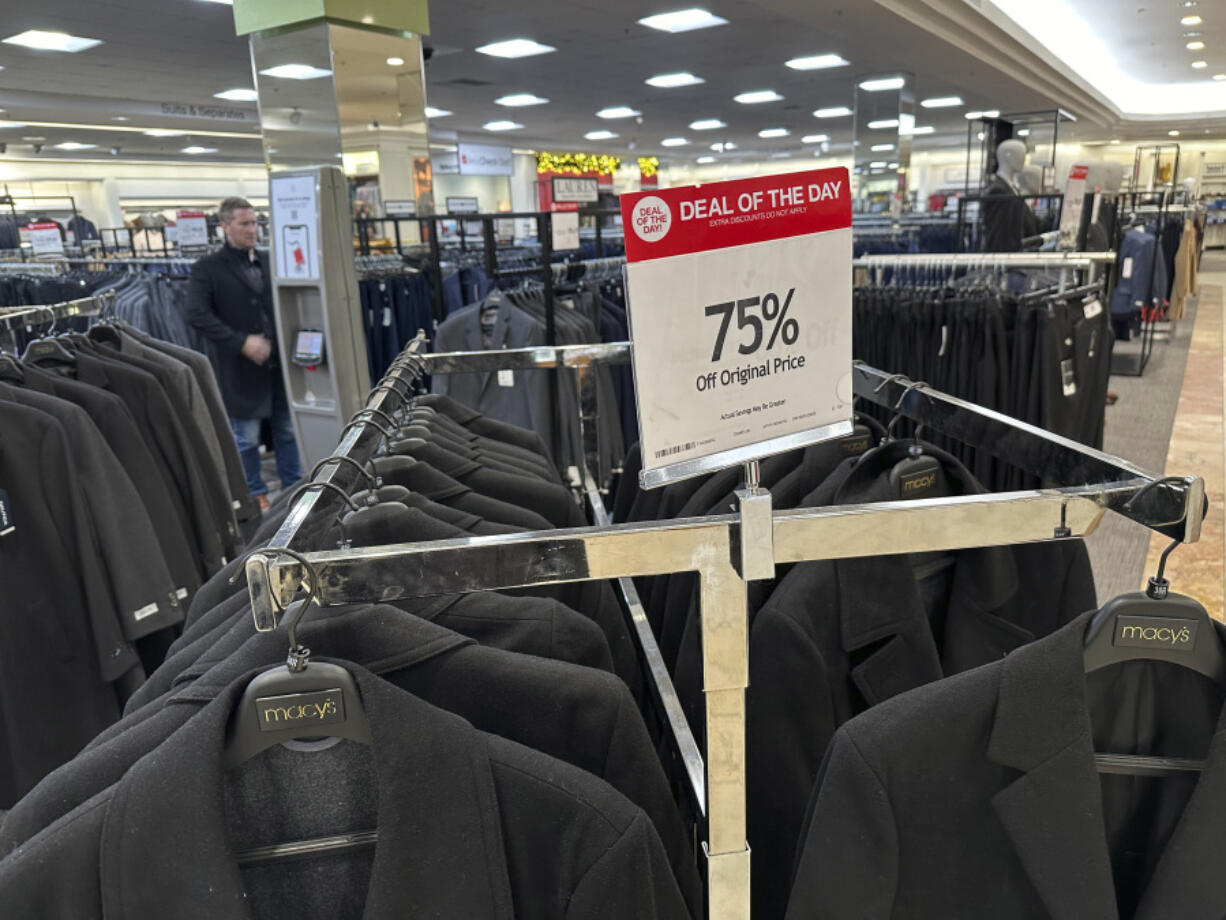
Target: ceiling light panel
942	102
600	135
515	100
1195	46
1200	65
41	40
432	112
395	62
195	150
683	21
817	62
501	126
673	80
12	124
74	145
815	138
238	95
705	159
986	113
837	111
618	111
707	124
882	123
883	84
674	142
516	48
296	72
1191	21
757	96
881	148
163	132
774	132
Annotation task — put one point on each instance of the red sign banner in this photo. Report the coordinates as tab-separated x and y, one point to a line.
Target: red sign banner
701	218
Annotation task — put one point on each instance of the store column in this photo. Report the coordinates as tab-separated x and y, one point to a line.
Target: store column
328	73
885	122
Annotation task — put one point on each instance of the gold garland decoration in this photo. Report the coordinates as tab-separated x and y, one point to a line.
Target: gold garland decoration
600	163
649	166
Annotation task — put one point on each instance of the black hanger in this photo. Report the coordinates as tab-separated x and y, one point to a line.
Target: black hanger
301	699
10	369
1154	625
48	349
918	475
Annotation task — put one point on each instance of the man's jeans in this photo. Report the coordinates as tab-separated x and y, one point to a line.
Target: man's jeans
247	437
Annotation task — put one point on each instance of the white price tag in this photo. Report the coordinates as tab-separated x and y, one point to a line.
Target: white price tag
1074	203
45	239
740	313
506	378
565	226
1126	271
1093	308
193	228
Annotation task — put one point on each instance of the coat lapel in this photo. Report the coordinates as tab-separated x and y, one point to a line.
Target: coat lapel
1053	811
234	259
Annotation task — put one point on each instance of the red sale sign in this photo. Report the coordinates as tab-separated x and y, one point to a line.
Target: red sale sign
740	315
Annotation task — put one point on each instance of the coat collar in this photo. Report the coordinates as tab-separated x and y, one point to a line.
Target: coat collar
164	848
502	324
1053	811
238	260
888	610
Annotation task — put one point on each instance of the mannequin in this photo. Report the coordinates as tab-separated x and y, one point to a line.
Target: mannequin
1190	189
1004	213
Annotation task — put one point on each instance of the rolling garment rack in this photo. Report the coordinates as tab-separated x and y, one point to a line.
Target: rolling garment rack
726	551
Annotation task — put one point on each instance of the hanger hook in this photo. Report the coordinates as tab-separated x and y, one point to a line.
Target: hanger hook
917	385
377	412
339	458
325	485
358	422
893	378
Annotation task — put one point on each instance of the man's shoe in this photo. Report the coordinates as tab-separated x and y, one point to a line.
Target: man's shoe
263	500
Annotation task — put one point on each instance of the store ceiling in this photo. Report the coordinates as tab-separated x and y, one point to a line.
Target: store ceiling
181	52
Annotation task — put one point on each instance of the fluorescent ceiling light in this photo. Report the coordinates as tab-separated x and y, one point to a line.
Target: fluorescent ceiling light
12	124
724	146
877	164
238	95
817	62
986	113
917	129
756	96
671	80
516	48
501	126
877	86
1023	132
1194	46
163	132
196	149
942	102
706	159
837	111
815	138
296	72
774	132
1079	43
40	40
432	112
893	166
1200	65
881	148
1174	132
395	62
34	139
683	21
618	111
673	142
707	124
73	145
882	123
599	136
515	100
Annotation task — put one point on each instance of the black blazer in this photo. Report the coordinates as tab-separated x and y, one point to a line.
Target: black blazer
470	825
226	307
977	796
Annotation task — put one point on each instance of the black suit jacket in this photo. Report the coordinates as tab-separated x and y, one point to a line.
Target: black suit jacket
226	307
977	796
470	825
839	636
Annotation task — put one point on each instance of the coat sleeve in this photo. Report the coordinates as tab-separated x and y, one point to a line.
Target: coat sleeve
202	315
848	867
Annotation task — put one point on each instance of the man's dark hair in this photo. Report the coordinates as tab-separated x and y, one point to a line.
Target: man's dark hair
230	205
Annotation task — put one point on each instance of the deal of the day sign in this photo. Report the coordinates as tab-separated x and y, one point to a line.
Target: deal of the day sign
740	314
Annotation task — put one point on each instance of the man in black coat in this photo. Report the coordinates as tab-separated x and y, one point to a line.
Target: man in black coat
230	302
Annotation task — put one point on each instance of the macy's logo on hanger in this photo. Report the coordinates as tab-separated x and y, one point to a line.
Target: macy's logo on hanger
322	707
1148	632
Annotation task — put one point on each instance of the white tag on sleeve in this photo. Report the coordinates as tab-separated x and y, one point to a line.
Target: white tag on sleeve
506	378
1093	308
1126	271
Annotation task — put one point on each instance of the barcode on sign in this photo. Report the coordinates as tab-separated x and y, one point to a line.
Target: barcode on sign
676	449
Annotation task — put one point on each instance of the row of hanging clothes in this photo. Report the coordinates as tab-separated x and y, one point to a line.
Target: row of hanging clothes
1012	341
586	308
121	491
1157	267
396	304
488	753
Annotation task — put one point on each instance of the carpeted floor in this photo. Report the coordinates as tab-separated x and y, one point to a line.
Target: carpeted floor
1139	428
